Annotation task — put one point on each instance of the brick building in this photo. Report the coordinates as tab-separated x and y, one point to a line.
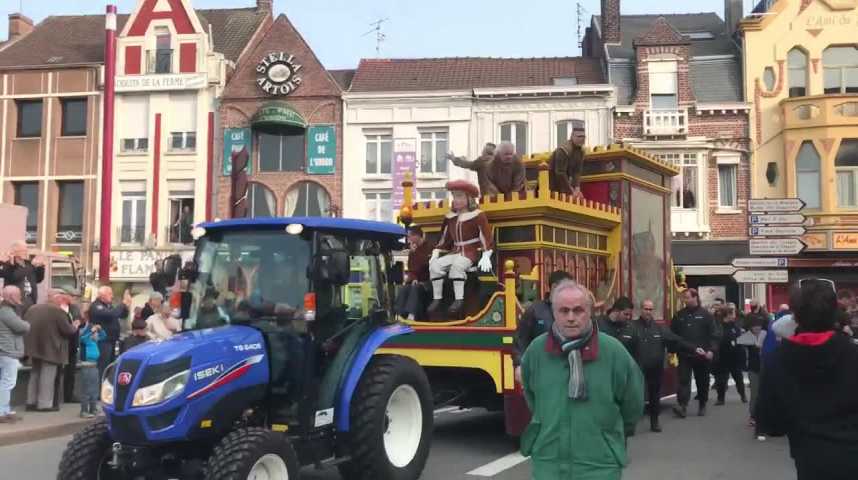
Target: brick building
679	97
50	124
285	111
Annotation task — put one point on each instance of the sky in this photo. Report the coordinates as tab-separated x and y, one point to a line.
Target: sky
340	34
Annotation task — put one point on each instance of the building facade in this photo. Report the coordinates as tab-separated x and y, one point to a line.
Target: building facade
50	125
173	63
801	64
407	114
679	97
282	110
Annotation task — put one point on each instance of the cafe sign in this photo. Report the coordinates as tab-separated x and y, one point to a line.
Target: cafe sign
134	265
278	74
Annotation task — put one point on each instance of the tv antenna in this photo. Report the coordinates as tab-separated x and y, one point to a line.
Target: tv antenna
379	36
580	11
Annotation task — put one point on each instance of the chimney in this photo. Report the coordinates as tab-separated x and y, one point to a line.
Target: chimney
611	22
265	5
733	15
19	26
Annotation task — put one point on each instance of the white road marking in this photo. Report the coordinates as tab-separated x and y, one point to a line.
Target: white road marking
499	465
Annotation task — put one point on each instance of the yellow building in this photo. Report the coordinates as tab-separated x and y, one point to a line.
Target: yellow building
801	76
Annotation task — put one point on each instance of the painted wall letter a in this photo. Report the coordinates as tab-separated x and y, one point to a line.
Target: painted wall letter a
177	14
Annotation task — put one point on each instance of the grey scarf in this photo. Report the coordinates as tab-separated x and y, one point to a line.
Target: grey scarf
572	347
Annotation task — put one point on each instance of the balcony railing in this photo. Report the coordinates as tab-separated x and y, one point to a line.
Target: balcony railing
177	235
69	234
821	111
666	122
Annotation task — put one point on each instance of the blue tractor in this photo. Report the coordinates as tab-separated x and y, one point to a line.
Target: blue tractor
276	368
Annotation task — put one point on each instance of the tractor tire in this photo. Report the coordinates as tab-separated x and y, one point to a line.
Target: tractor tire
87	454
254	453
391	421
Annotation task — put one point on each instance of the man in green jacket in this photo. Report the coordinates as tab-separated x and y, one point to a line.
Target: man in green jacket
585	393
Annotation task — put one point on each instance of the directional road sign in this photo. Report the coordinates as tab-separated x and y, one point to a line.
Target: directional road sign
761	276
775	204
764	262
775	219
781	231
776	246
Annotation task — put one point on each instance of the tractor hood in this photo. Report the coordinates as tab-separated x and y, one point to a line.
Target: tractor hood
191	385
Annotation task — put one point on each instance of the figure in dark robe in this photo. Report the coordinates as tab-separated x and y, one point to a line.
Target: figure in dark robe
567	163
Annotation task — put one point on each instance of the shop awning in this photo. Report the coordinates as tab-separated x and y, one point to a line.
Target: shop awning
278	113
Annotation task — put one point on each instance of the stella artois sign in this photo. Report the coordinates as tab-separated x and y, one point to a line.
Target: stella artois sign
278	74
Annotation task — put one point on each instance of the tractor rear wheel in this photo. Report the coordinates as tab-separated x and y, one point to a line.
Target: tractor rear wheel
87	455
391	421
253	454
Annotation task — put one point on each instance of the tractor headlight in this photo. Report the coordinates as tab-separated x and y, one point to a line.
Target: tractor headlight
161	391
107	384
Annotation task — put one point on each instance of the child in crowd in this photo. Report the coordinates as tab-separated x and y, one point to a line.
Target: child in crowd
90	335
138	335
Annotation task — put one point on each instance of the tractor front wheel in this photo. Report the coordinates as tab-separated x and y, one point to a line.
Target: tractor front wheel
391	421
87	455
253	454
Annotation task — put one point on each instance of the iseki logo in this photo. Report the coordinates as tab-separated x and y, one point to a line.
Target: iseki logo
278	74
124	378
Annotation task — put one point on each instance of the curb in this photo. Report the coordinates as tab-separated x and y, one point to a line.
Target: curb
43	433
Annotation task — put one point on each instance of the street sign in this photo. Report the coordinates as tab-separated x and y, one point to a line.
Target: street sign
776	246
775	204
782	231
761	276
765	262
782	219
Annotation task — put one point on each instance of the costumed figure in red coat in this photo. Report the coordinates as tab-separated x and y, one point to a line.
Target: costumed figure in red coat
464	233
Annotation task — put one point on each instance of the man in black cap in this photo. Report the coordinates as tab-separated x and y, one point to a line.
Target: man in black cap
567	162
618	324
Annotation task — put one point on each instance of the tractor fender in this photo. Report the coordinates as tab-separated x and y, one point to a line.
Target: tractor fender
355	370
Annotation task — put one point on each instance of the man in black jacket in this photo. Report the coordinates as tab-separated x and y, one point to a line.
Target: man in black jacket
104	313
653	341
618	324
17	269
535	321
696	326
731	356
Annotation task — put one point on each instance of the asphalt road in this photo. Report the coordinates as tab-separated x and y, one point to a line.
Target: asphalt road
470	445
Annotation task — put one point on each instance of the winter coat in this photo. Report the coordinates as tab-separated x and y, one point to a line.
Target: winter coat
623	331
88	345
160	328
12	331
23	275
696	326
730	354
653	339
536	320
565	168
580	439
132	341
50	331
108	317
810	393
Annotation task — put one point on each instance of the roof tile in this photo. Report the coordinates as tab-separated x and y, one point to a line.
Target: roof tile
376	75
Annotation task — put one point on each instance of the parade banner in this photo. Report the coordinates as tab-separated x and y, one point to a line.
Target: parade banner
234	141
404	161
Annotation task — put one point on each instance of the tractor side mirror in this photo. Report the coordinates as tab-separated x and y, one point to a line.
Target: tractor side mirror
396	274
333	266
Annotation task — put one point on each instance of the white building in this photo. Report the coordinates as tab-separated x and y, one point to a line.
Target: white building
172	66
432	106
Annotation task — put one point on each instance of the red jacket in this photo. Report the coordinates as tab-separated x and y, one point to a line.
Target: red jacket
466	234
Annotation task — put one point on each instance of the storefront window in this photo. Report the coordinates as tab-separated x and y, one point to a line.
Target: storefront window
282	150
807	174
308	199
